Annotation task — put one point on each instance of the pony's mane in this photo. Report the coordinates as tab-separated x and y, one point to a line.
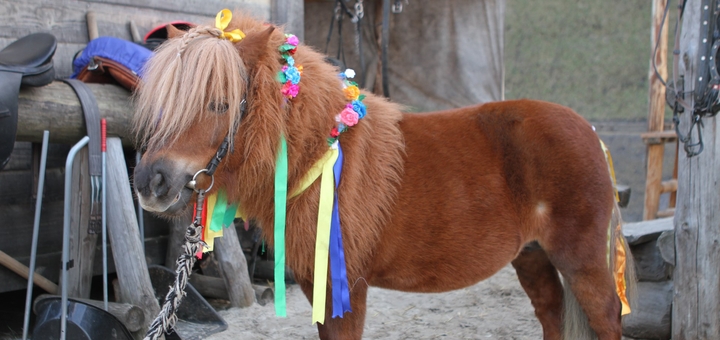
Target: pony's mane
190	77
209	70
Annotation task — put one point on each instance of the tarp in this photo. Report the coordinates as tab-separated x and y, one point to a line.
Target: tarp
442	54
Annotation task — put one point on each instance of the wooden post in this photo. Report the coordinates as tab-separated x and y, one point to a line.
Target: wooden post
233	268
696	301
130	264
82	239
656	113
290	13
176	239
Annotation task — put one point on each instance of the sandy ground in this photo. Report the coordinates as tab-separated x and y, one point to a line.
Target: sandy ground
496	308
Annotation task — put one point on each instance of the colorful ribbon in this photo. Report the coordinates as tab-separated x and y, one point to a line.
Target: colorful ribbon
322	242
222	20
338	270
281	175
620	260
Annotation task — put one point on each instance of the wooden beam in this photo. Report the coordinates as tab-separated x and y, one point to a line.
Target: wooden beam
124	235
55	107
291	14
656	113
82	240
696	299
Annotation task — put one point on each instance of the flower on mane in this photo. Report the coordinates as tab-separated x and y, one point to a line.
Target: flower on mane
290	90
292	74
360	108
292	39
352	92
349	117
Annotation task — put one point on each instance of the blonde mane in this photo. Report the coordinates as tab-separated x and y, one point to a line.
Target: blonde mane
190	81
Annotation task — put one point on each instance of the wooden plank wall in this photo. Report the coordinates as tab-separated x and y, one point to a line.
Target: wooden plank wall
66	20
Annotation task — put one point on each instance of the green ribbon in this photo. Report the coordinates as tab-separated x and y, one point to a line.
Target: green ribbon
281	179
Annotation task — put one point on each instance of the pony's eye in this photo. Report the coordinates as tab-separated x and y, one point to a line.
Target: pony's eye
218	107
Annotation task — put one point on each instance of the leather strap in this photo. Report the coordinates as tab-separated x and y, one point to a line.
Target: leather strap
8	113
384	47
92	122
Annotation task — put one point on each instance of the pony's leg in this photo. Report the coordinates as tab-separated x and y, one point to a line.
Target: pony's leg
350	326
582	261
542	284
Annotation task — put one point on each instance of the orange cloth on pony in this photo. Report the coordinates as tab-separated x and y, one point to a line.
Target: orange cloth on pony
620	256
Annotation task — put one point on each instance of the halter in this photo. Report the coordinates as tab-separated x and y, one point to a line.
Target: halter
193	241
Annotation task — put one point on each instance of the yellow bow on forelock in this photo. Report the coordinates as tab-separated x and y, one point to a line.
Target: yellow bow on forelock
222	20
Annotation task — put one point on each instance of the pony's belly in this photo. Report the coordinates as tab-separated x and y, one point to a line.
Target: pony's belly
432	269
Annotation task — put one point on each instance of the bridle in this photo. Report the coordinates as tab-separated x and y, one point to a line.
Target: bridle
193	240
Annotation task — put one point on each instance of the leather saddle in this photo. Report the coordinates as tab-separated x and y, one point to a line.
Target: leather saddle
25	62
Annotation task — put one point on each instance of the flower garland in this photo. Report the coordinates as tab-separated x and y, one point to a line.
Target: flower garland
290	74
353	111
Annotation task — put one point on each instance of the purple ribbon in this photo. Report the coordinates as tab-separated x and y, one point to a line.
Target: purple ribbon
338	271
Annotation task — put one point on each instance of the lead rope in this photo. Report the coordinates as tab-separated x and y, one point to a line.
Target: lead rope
167	317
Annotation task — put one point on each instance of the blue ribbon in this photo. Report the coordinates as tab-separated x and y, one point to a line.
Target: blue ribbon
338	271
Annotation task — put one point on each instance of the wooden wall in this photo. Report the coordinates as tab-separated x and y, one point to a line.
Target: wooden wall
66	20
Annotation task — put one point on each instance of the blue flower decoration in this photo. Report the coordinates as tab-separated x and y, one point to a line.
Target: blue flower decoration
292	74
360	108
290	60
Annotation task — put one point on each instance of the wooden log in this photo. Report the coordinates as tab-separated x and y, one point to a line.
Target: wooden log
233	268
696	304
666	245
266	270
22	270
82	240
640	232
214	288
130	316
649	262
650	318
135	285
55	107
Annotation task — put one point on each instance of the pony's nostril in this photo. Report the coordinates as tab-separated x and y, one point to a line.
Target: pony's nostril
158	185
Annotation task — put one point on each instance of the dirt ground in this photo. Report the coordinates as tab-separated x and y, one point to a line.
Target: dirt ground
496	308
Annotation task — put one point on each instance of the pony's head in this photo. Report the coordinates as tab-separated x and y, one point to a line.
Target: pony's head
193	97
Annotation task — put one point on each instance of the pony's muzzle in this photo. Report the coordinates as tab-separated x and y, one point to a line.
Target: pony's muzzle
161	186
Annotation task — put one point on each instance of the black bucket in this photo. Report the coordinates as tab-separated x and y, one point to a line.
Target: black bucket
196	318
84	322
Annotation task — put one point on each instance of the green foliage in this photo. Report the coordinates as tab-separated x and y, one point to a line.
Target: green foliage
592	56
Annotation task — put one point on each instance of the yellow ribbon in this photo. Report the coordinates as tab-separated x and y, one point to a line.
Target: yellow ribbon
322	243
620	260
222	20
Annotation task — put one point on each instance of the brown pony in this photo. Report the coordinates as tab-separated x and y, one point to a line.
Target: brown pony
429	202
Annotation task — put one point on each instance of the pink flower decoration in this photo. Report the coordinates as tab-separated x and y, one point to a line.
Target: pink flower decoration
349	117
290	90
293	40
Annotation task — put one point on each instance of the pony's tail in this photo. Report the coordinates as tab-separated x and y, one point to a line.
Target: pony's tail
575	322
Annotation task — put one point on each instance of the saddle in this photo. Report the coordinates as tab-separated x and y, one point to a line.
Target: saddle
25	62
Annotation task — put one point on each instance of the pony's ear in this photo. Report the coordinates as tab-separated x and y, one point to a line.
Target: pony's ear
253	46
173	32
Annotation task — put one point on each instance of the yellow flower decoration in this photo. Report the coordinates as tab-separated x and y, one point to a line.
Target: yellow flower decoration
352	92
222	20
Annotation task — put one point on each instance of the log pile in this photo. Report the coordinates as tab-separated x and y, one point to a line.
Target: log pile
654	261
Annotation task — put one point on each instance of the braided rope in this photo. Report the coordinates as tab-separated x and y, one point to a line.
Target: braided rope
167	317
